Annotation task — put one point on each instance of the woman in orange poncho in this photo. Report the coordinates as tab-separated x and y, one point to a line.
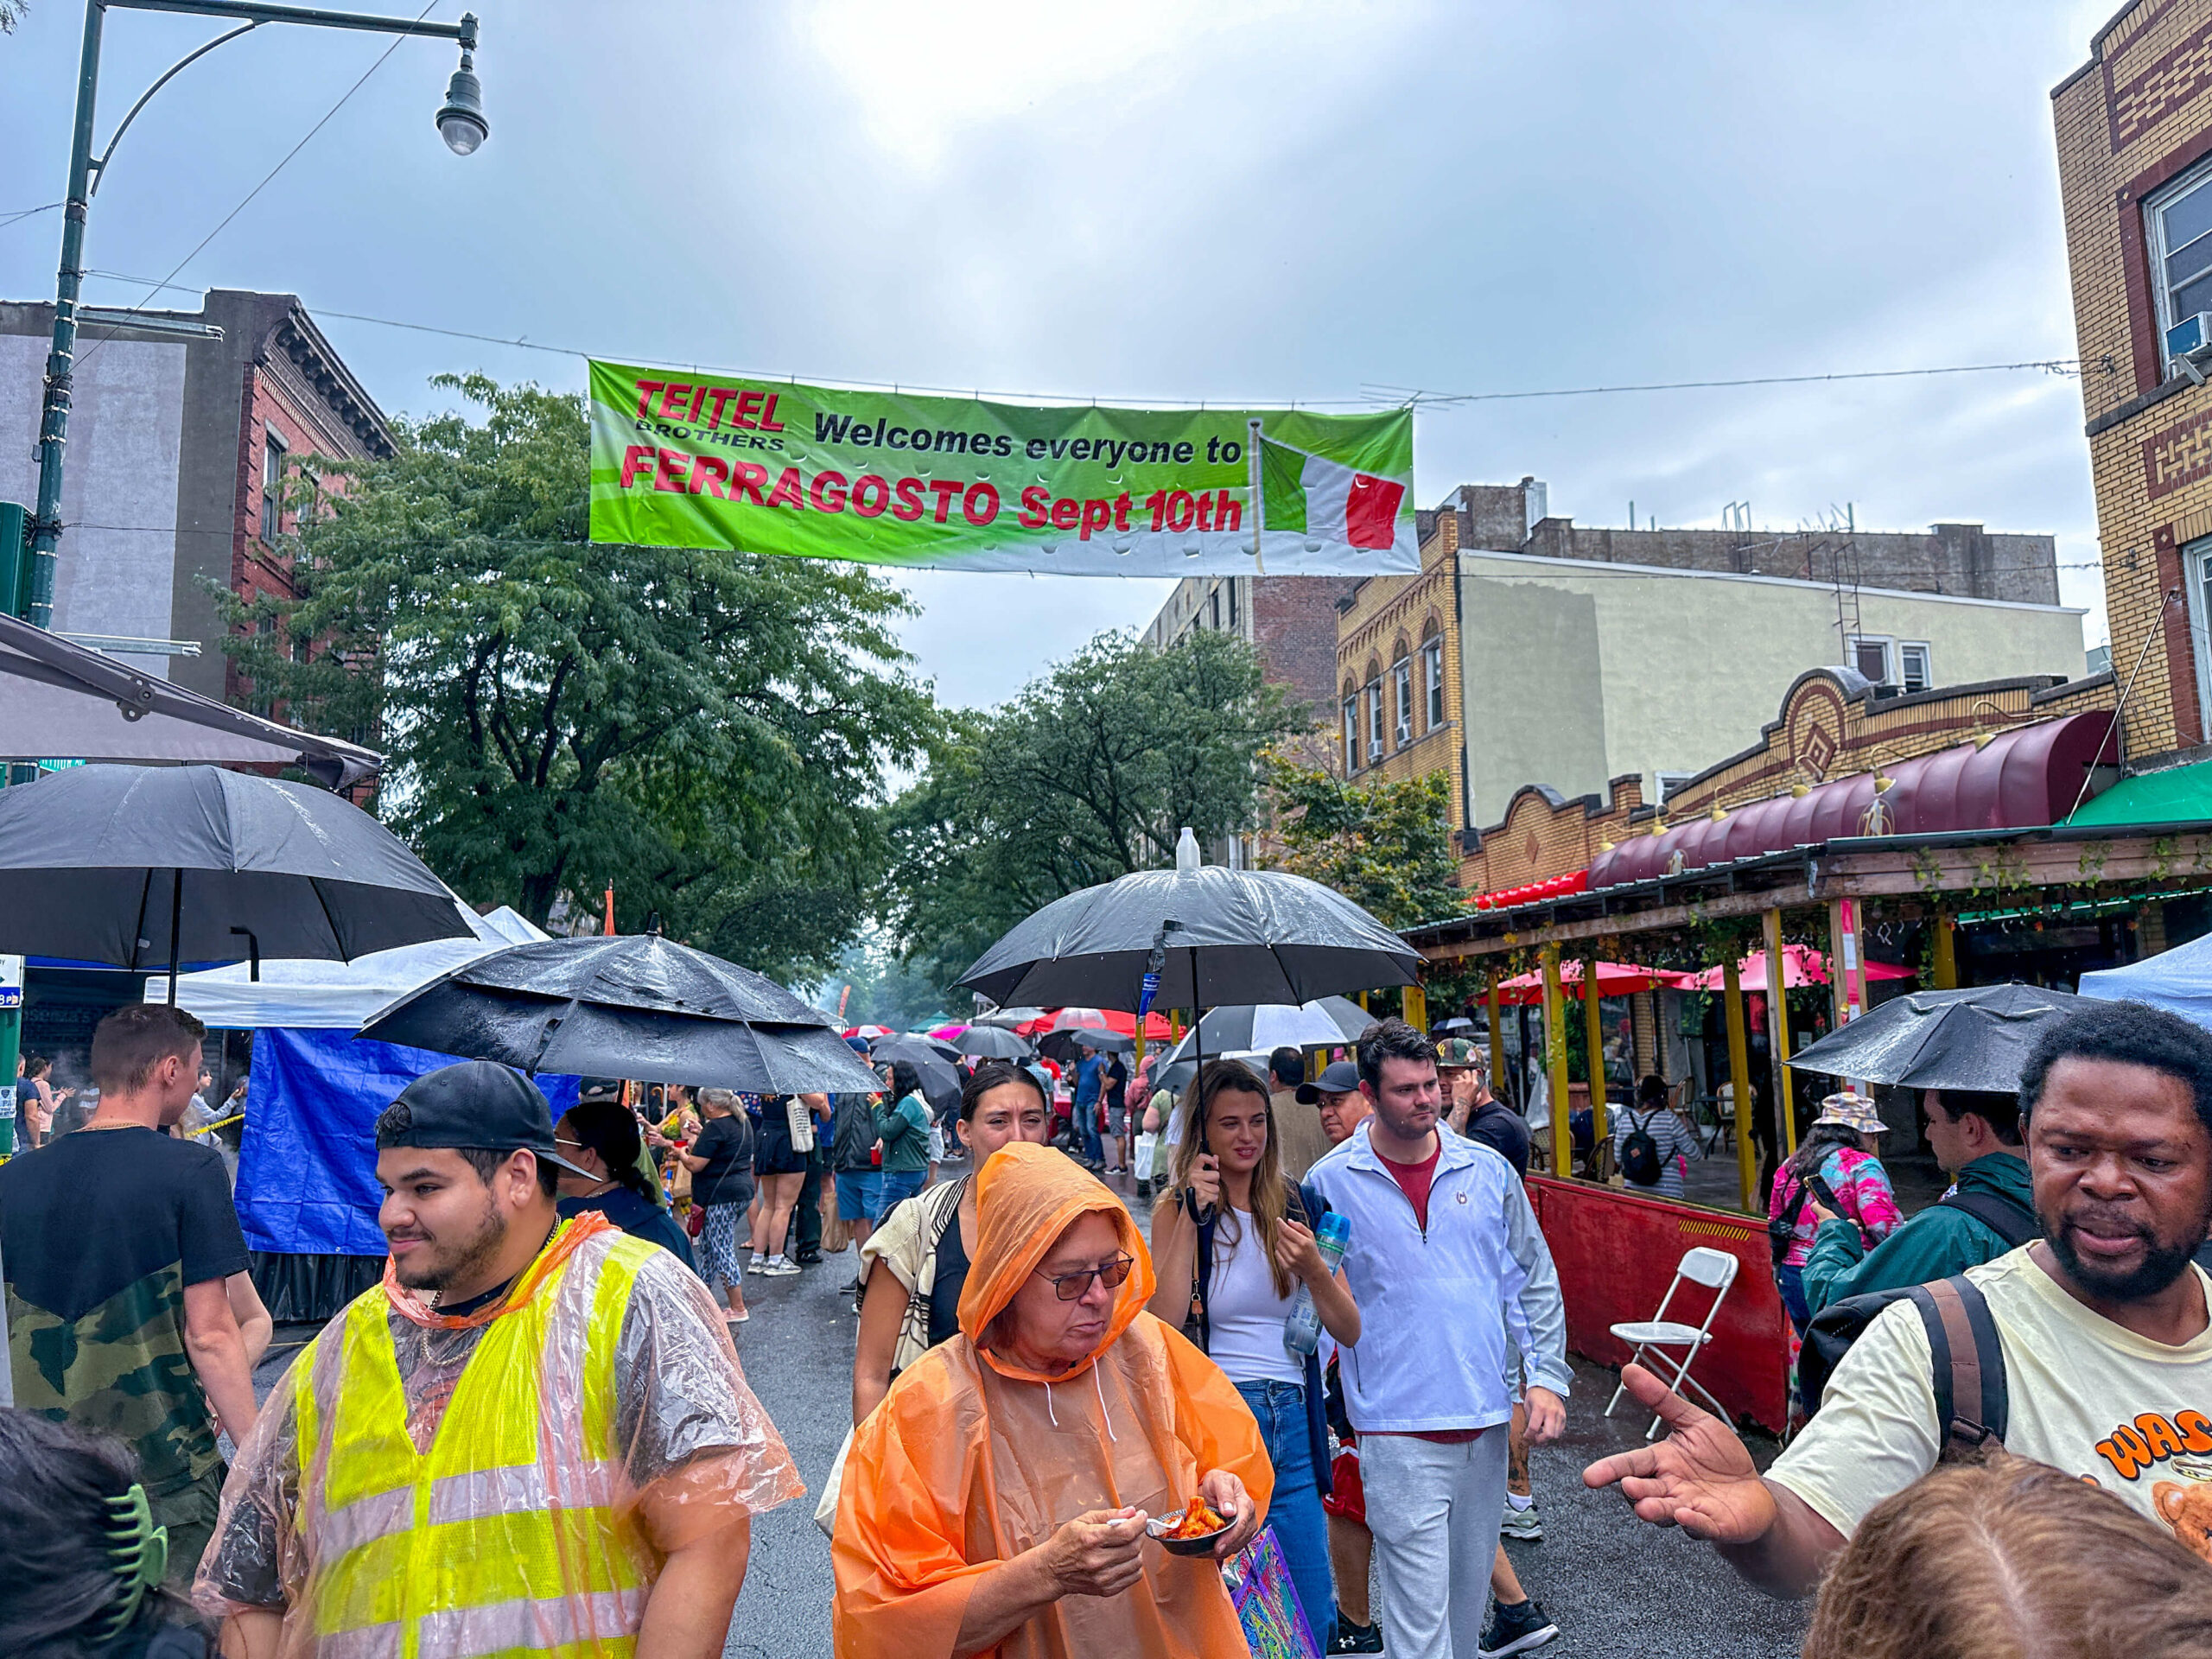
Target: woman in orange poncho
995	1501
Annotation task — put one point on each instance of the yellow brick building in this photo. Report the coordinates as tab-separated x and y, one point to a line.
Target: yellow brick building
2134	136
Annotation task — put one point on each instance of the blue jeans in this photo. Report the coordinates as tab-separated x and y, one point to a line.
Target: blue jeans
1295	1510
904	1184
1792	1283
857	1194
1086	1122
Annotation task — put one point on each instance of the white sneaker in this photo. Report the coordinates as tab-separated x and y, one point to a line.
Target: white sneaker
758	1264
778	1268
1523	1524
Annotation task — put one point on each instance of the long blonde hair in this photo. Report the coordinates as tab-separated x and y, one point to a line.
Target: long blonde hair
1270	1191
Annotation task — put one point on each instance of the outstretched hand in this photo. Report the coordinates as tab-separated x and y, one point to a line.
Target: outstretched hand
1699	1477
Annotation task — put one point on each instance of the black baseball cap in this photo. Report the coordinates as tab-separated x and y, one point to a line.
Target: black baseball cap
1342	1077
476	1103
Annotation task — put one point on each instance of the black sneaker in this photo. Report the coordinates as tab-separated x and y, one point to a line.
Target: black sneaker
1355	1638
1520	1628
813	1258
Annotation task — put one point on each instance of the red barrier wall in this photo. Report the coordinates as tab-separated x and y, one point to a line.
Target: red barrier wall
1616	1253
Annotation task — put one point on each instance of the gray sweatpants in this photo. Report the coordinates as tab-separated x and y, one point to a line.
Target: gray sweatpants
1434	1507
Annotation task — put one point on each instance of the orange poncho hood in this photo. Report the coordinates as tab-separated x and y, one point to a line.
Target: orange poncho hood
1025	1196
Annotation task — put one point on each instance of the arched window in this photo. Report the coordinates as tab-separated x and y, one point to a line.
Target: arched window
1351	726
1432	675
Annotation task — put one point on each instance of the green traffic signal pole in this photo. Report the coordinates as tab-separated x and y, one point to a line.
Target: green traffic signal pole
463	102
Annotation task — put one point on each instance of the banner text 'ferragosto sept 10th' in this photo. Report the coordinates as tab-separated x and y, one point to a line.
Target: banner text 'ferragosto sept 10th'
690	460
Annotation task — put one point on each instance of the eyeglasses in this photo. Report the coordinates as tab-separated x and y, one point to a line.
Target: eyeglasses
1071	1286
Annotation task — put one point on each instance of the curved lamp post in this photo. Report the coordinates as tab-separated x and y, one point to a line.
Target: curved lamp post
461	123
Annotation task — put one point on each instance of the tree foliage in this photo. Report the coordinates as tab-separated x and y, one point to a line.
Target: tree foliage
704	730
1092	771
1385	846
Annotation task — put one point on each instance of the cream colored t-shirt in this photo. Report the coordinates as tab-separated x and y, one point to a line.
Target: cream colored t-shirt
2084	1395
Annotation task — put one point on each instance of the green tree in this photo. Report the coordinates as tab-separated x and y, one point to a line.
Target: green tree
1090	774
1385	846
706	730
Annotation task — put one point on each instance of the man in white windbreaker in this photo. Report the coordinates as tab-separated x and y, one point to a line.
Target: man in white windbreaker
1446	1263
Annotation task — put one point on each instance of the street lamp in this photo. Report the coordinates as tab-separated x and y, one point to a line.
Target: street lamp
461	123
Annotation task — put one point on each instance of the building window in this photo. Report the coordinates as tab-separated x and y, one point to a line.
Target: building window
1870	655
272	487
1216	624
1351	733
1432	679
1374	721
2196	560
1401	702
2180	218
1232	604
1671	781
1912	665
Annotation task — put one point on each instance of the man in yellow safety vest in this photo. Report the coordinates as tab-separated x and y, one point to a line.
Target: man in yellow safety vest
533	1436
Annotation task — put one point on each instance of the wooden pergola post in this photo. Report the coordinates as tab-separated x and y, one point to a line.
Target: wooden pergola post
1777	1015
1594	1036
1496	1044
1739	1078
1555	1057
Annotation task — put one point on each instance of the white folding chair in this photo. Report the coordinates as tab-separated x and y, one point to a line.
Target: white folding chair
1716	1271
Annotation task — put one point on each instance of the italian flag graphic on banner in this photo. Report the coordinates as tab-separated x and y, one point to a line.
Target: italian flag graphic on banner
1327	501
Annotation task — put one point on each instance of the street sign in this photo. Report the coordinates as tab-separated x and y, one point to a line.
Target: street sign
11	982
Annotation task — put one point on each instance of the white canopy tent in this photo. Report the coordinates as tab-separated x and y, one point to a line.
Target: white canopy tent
335	995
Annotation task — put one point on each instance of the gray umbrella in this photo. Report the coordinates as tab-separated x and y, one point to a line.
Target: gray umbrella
145	866
633	1006
1229	936
1976	1039
940	1082
989	1043
1260	1028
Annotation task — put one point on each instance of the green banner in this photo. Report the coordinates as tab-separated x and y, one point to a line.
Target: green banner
683	459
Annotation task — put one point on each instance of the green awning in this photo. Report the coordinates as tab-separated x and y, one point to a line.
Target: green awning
2177	795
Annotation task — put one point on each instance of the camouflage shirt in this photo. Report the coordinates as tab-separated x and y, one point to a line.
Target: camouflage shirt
100	1232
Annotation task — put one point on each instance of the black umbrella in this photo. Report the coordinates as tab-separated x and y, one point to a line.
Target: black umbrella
990	1043
146	867
1228	936
940	1082
1062	1045
634	1006
1976	1039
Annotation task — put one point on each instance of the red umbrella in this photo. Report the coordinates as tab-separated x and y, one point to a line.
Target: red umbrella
1156	1028
1614	979
870	1032
1802	965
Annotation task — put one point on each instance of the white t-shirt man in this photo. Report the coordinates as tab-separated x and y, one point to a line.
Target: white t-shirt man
2085	1395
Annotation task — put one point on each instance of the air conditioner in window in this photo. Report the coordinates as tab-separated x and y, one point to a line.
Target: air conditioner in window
1405	734
2189	342
1374	750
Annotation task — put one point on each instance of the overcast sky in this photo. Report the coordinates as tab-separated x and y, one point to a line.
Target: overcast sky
1245	202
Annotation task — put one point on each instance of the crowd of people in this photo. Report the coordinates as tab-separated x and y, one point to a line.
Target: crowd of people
1332	1347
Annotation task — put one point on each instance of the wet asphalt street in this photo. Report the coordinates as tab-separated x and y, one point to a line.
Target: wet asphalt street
1617	1589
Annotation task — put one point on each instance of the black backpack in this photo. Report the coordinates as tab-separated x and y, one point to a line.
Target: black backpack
1640	1153
1965	1360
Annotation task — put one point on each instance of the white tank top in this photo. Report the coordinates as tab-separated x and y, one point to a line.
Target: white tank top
1244	1314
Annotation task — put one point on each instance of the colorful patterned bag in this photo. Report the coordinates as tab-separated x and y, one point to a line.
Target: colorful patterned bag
1267	1601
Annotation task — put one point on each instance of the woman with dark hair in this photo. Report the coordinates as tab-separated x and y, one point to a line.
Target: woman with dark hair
902	1124
923	1248
80	1558
1833	1172
1232	1242
720	1162
602	1136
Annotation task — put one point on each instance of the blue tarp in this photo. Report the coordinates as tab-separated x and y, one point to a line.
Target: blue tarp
306	1168
2179	980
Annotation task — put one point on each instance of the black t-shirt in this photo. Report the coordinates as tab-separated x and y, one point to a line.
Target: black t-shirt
726	1145
100	1232
1117	1082
1504	1129
945	1287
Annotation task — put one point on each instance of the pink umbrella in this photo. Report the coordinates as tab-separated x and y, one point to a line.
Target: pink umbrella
946	1034
1614	979
1802	965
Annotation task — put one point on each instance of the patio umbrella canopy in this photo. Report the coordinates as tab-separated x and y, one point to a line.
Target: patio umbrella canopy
138	867
1976	1039
1802	965
1614	979
633	1006
1226	937
1260	1028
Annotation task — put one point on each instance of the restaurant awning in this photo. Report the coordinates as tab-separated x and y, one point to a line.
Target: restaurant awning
2177	795
62	702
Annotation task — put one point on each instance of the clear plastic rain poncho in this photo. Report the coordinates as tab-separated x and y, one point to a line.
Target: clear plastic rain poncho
428	1484
969	1460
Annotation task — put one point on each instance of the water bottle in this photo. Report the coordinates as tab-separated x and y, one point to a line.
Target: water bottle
1301	1331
